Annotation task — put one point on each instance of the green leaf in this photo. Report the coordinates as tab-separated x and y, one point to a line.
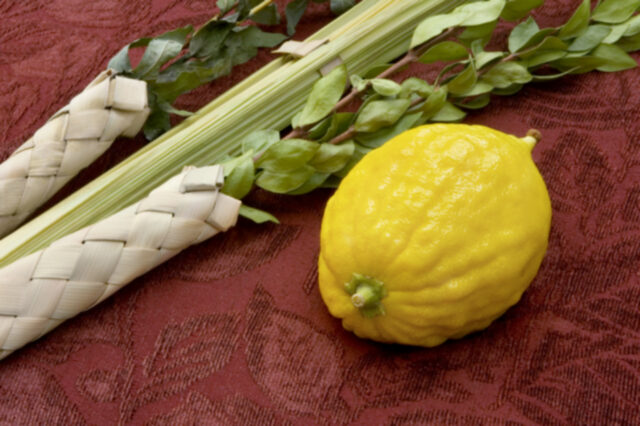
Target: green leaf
632	26
160	50
243	9
358	82
485	58
544	57
433	26
376	139
476	47
378	114
295	120
616	33
332	181
257	215
590	38
537	39
239	181
331	158
325	94
548	43
550	49
515	10
522	34
209	39
320	129
170	109
239	45
259	140
225	5
415	85
267	16
233	18
121	62
252	36
316	180
507	91
505	74
480	88
477	102
449	113
579	64
434	102
182	77
480	34
157	123
287	154
340	122
616	59
479	12
444	51
385	87
615	11
293	12
578	21
464	80
281	182
471	14
358	154
625	29
629	44
340	6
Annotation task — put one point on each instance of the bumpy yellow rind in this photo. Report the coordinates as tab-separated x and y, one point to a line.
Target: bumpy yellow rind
454	220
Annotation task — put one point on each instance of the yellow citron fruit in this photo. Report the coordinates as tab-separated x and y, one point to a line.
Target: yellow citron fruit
434	235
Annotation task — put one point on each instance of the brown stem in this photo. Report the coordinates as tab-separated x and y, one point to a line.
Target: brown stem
417	101
346	135
411	56
535	133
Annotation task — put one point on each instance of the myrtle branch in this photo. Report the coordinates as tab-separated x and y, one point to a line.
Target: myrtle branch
410	57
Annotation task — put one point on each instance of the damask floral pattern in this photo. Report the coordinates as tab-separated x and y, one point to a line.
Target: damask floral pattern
234	331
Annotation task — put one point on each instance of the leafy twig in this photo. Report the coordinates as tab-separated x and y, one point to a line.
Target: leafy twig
412	56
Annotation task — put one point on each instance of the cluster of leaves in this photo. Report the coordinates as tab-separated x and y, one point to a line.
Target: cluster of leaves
183	59
325	143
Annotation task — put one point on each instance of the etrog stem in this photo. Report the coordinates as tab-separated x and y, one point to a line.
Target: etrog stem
533	137
366	294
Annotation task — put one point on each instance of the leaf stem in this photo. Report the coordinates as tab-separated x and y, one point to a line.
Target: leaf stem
258	8
346	135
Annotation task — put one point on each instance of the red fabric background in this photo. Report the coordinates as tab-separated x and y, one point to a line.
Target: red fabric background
234	331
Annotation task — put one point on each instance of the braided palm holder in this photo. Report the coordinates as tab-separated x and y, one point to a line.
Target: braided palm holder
109	107
40	291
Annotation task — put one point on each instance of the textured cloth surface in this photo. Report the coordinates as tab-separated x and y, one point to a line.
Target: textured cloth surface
233	331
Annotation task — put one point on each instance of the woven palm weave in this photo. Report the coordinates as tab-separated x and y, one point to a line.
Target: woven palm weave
40	291
109	107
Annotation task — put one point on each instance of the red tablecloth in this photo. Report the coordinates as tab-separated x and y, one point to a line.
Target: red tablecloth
234	331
